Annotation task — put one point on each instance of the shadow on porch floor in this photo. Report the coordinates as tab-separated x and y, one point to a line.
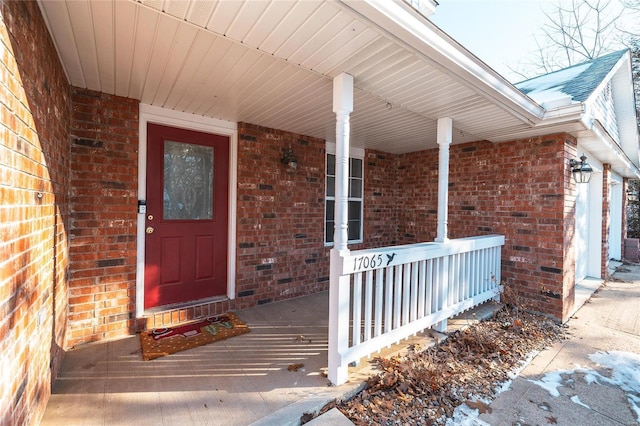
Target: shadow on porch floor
237	381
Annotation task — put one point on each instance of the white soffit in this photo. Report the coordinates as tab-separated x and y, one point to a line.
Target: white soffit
272	63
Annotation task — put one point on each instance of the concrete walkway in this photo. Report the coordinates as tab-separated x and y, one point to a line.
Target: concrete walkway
593	378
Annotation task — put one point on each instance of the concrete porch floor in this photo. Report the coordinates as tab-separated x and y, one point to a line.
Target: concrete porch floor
239	381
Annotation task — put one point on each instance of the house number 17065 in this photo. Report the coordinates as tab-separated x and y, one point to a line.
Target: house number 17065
372	261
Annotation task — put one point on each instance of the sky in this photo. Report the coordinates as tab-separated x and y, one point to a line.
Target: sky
500	32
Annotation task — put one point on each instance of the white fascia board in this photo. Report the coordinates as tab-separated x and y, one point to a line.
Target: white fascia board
622	158
569	113
419	35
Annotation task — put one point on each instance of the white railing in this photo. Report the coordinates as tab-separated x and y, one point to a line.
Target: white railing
381	296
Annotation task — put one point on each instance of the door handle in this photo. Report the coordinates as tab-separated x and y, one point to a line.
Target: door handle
150	230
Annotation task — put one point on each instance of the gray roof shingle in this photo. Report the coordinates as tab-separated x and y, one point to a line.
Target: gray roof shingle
578	81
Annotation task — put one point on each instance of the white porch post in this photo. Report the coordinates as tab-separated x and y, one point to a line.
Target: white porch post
444	136
445	129
339	283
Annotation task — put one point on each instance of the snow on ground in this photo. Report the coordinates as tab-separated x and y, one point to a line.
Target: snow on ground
625	374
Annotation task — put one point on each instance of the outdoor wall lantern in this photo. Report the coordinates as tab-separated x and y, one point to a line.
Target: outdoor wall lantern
632	195
290	160
581	169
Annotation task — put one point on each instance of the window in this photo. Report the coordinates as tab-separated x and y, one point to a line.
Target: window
355	197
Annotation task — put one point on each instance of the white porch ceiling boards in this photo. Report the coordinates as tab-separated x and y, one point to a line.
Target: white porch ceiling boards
272	63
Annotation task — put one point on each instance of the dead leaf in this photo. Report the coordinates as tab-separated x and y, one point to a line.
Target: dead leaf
295	367
480	406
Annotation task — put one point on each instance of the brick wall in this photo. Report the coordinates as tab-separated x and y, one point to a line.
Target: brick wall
521	189
517	189
280	228
102	227
280	217
381	191
34	159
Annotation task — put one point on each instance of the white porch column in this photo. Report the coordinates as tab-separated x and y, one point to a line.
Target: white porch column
445	130
444	136
342	106
338	283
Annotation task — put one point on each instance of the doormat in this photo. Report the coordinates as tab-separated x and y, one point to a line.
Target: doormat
164	341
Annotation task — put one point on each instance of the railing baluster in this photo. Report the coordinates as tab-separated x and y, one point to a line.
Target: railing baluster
388	299
454	279
406	293
397	297
428	282
435	285
422	283
379	301
368	304
485	269
464	283
357	308
475	288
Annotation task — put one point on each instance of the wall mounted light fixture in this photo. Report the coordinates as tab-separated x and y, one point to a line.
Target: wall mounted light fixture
289	159
632	195
581	170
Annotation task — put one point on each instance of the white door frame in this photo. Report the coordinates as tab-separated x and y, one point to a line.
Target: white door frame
588	223
615	216
157	115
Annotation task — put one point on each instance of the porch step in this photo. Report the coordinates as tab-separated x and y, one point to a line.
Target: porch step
173	315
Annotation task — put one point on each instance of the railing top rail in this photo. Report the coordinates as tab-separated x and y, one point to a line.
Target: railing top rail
376	258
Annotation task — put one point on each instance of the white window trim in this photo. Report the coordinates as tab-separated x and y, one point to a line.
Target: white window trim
357	153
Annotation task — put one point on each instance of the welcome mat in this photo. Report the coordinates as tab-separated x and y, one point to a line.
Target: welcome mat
164	341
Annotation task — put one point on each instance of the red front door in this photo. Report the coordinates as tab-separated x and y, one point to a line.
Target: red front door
186	215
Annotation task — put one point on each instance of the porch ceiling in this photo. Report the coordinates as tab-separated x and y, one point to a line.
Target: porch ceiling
272	63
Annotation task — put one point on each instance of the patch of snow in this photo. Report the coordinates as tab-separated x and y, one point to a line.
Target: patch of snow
505	386
625	368
463	415
625	374
548	90
553	80
552	381
576	400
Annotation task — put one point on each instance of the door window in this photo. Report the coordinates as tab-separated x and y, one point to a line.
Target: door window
188	181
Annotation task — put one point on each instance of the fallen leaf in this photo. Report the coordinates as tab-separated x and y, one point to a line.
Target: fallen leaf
295	367
480	406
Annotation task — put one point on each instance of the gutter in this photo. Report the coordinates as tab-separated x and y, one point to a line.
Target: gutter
604	138
398	21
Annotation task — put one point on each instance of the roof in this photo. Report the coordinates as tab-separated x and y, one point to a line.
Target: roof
272	63
578	81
